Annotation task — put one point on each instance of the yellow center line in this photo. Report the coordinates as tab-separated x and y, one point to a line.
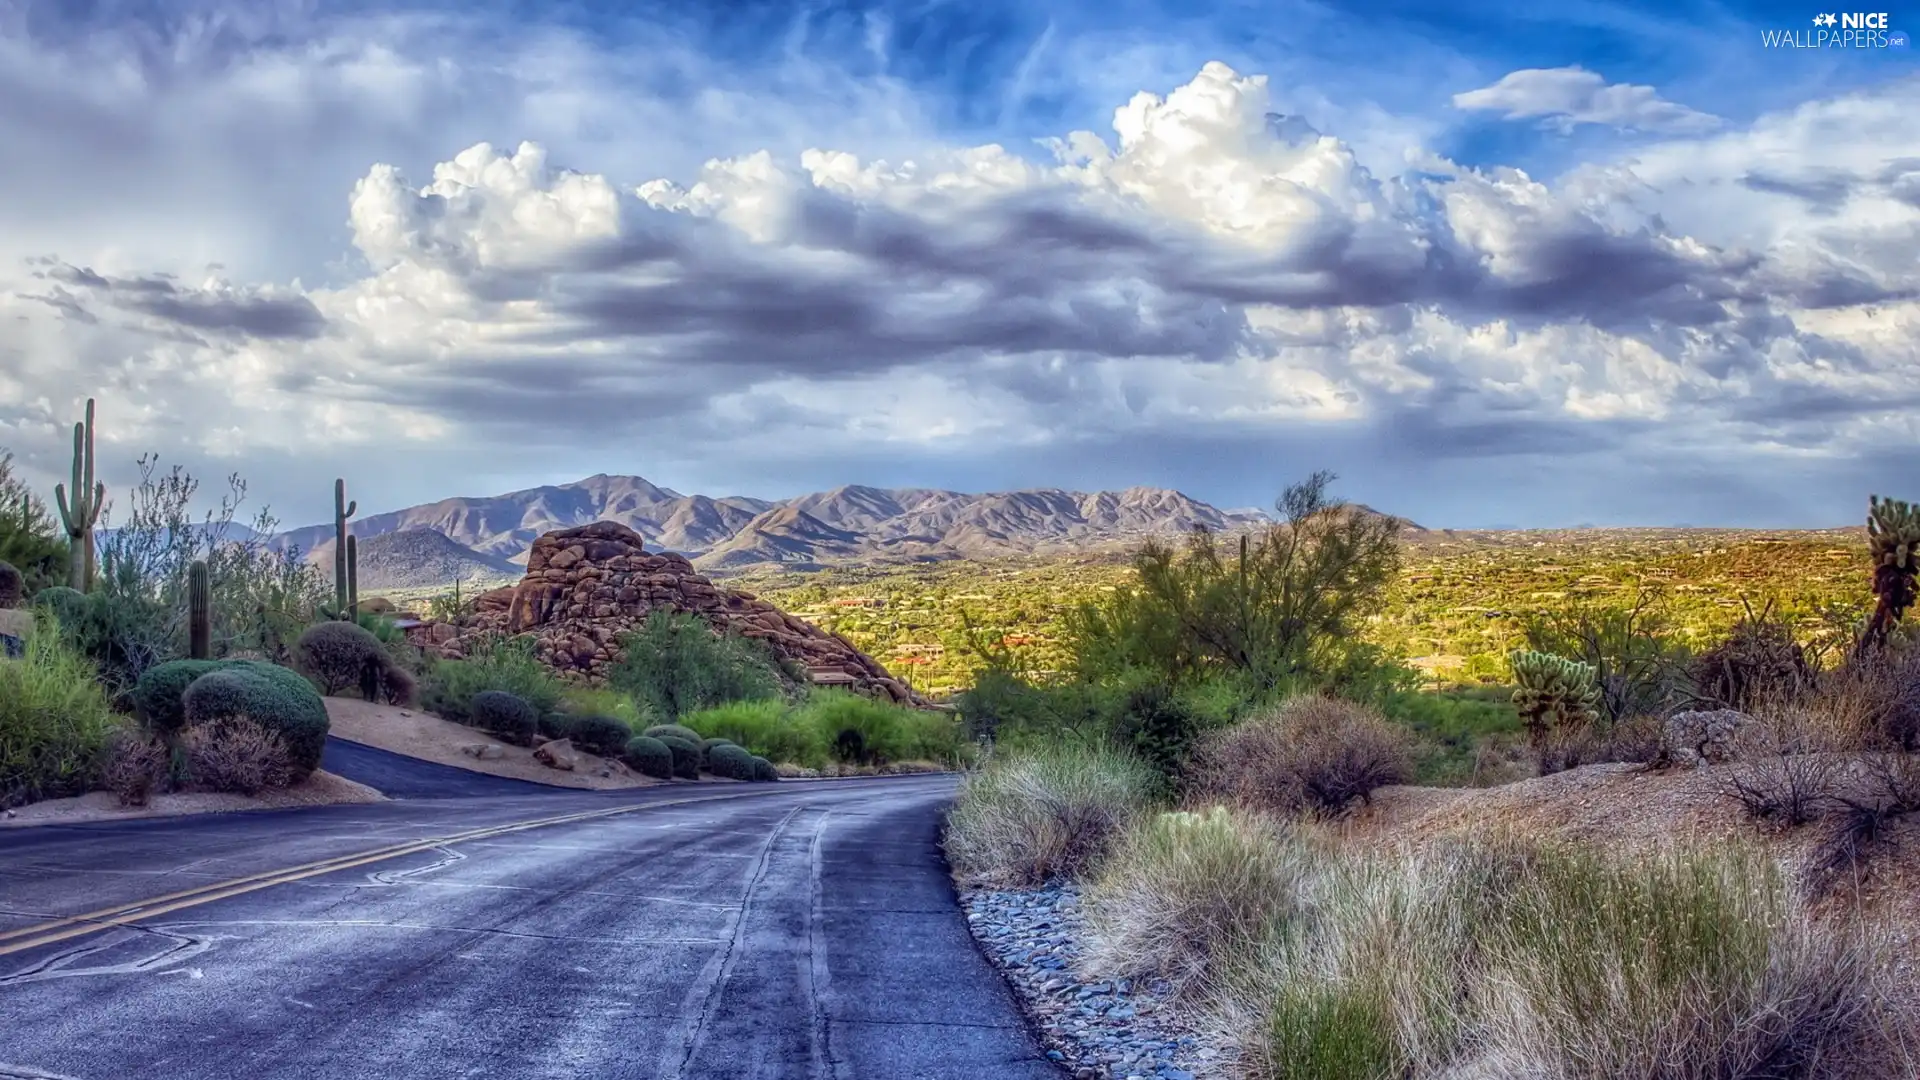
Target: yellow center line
72	926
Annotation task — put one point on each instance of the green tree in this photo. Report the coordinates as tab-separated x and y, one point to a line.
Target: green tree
1278	609
28	537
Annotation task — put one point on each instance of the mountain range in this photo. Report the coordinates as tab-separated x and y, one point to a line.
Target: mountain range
846	525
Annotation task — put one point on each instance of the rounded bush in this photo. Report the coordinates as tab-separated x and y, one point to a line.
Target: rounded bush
278	699
13	585
765	771
158	695
686	757
731	762
674	731
557	725
503	714
708	744
339	655
603	735
649	757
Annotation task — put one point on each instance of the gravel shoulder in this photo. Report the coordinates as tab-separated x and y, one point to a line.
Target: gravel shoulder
320	789
429	738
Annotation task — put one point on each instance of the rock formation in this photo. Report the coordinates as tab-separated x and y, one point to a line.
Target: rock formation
586	586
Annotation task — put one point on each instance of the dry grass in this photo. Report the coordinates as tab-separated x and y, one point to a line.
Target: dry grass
235	755
1522	960
1184	892
1314	754
135	766
1028	820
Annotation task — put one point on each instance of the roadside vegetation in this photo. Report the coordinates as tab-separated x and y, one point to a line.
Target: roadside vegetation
1218	770
148	651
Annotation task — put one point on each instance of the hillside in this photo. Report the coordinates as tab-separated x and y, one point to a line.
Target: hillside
846	526
416	557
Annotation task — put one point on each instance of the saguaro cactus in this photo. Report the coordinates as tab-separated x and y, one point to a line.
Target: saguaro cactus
342	510
199	611
1893	542
353	580
79	513
1555	693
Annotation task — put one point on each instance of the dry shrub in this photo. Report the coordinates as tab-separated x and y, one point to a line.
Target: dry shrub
135	765
1880	793
1758	662
1047	814
1184	892
235	755
1311	753
1874	700
1786	789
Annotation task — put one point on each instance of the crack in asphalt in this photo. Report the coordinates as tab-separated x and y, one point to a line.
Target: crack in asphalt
59	965
818	977
714	978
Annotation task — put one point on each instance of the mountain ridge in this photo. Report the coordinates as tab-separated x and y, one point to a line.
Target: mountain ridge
852	523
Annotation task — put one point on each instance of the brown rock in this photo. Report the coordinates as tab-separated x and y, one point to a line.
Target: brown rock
558	754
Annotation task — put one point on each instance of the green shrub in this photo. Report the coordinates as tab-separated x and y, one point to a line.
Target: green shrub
603	735
686	757
708	744
507	715
675	664
278	699
770	728
860	730
499	665
56	724
1183	893
1311	753
730	761
556	725
338	655
604	701
1047	813
673	731
68	605
649	757
764	771
157	696
1455	728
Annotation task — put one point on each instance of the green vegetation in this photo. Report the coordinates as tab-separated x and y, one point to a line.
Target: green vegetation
674	665
506	715
649	757
604	735
275	698
1051	812
56	724
501	664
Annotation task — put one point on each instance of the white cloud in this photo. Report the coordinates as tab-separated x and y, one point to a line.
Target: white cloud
871	297
1568	96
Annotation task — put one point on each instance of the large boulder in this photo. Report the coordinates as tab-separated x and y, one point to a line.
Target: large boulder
586	586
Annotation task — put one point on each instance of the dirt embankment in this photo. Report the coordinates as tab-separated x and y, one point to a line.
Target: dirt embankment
429	738
320	789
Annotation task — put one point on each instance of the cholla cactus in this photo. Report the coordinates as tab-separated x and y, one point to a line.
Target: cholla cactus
1893	543
1555	692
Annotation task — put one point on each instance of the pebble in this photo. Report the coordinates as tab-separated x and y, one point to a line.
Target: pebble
1104	1030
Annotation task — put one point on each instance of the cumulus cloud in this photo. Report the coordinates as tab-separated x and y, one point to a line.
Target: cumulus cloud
1570	96
1204	274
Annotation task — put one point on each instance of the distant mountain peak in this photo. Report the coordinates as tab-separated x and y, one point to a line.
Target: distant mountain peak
849	524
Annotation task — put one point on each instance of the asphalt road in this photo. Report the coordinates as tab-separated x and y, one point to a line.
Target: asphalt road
400	777
803	930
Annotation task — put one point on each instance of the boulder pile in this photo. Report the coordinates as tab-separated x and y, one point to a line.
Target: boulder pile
586	586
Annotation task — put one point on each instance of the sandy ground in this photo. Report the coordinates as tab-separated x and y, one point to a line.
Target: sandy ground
429	738
320	789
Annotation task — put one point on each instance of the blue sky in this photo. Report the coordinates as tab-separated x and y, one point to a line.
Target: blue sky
1537	264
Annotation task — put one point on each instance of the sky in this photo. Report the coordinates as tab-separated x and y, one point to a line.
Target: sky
1510	265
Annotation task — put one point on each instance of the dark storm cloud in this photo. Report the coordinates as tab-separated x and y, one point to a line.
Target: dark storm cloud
1823	190
240	314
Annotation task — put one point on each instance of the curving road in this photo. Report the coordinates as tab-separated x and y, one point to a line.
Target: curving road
803	930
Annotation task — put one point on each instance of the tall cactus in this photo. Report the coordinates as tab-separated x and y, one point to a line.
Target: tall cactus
79	513
342	510
199	611
1893	542
353	580
1555	693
